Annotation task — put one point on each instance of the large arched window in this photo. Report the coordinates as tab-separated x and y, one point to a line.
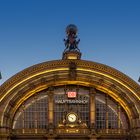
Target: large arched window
109	113
33	114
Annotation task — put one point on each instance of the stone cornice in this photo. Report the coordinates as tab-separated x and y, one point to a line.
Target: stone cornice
65	63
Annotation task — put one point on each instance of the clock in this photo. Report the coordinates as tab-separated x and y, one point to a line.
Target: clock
72	117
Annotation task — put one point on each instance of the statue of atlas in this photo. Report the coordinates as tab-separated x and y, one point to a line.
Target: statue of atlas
71	42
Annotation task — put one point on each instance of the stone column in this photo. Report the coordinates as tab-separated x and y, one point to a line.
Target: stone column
5	130
119	117
106	102
93	138
51	114
36	115
136	129
92	114
50	107
4	133
23	118
92	107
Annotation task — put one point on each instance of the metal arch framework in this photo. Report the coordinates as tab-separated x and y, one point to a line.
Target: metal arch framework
54	73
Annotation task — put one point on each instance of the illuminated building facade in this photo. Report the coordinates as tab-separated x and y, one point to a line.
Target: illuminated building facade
70	99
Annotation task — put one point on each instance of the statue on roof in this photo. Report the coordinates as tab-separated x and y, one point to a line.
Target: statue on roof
71	41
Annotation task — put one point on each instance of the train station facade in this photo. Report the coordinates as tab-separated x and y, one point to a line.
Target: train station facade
68	99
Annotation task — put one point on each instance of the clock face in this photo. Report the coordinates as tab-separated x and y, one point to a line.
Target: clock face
72	117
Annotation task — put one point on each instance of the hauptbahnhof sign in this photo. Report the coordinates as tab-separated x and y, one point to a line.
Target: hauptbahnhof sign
63	101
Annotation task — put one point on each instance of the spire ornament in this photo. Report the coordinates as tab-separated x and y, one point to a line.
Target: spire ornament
71	43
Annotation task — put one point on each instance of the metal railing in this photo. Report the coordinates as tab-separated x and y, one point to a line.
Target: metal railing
62	131
112	131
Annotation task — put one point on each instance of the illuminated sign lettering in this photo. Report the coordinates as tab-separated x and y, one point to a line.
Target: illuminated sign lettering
71	101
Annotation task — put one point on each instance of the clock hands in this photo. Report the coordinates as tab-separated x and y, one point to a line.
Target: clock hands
71	117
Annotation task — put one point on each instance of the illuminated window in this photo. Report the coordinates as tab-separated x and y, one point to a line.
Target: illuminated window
81	109
107	113
33	113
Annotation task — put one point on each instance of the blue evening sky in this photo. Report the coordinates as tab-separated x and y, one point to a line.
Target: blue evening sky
32	31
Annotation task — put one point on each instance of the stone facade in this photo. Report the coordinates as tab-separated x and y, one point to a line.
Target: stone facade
63	72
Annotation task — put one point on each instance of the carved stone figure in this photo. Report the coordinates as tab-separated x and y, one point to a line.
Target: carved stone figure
71	42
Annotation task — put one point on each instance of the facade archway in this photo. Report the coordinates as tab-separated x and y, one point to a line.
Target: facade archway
94	76
103	102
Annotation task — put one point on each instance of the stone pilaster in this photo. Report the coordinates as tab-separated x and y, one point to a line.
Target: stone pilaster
92	107
119	117
106	102
4	133
50	106
92	114
136	129
93	138
50	114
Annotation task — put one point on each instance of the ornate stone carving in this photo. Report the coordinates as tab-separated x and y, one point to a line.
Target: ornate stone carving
81	68
72	71
71	42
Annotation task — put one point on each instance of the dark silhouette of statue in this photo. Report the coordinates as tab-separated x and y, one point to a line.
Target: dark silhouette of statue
71	41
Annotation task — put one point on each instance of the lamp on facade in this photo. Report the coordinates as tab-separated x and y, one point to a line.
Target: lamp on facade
139	79
0	76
